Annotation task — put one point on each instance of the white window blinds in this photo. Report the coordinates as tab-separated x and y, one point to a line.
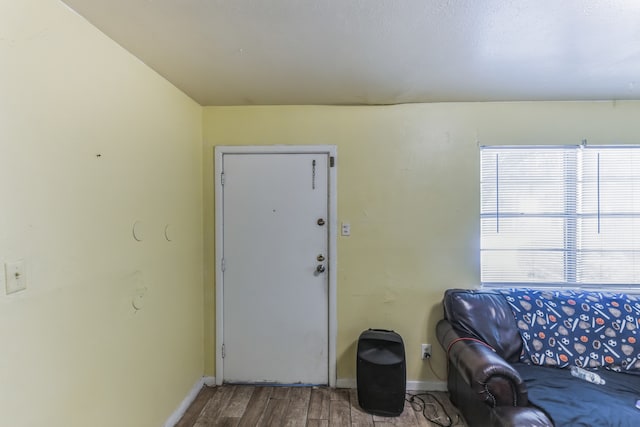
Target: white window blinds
563	216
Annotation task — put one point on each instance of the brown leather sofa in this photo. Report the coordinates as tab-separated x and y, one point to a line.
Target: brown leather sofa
481	340
509	354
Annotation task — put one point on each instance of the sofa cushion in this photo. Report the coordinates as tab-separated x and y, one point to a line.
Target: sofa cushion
572	327
570	401
487	316
511	416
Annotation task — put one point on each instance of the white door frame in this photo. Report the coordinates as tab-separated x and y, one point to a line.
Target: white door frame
332	221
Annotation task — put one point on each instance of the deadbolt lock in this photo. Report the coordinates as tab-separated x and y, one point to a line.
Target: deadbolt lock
320	221
320	258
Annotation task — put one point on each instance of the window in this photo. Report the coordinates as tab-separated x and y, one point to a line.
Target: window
560	216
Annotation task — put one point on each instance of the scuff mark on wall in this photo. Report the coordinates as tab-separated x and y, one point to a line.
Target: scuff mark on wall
390	296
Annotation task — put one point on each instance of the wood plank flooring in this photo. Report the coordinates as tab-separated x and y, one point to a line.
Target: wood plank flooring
251	406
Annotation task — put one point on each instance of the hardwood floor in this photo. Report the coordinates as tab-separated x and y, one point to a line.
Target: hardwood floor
251	406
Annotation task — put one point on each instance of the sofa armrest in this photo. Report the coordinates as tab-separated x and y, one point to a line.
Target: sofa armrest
490	377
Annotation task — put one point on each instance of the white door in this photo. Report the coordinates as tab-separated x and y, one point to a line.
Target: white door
275	275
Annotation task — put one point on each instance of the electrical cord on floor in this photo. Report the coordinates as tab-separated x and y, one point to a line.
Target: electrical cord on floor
420	401
431	367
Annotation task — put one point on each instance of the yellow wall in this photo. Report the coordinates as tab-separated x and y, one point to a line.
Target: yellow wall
408	182
91	141
73	351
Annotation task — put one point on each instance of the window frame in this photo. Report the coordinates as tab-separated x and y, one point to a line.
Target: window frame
573	218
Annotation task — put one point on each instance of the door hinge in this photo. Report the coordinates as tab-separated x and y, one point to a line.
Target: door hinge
223	351
332	161
223	265
222	178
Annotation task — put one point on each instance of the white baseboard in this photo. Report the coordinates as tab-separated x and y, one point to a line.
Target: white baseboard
411	385
191	396
426	386
345	383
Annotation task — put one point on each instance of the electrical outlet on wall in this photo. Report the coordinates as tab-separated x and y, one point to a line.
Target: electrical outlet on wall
425	351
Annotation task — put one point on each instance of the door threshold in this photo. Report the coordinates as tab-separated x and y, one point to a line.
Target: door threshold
274	384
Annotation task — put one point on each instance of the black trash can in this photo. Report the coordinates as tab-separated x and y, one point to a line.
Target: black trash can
381	372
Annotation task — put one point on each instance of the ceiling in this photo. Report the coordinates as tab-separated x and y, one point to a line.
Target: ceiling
245	52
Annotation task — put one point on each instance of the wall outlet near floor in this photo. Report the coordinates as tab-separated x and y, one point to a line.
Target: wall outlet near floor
426	351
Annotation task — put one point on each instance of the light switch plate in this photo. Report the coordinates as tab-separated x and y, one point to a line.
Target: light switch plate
346	229
16	277
2	275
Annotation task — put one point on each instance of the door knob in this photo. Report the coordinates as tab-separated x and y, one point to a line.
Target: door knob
320	268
